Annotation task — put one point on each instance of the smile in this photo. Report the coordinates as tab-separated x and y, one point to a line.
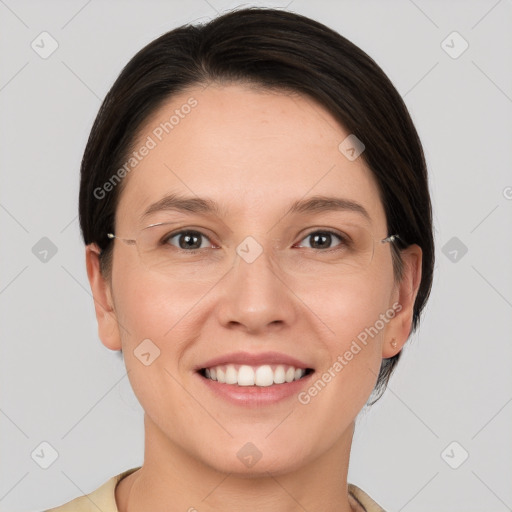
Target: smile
261	376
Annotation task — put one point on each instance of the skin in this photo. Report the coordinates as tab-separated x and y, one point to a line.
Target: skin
254	152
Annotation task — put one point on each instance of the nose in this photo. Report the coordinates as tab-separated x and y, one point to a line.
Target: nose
255	296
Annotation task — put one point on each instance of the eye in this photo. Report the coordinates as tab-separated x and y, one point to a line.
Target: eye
188	240
322	239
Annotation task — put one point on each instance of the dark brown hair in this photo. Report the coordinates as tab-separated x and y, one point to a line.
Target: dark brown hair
278	50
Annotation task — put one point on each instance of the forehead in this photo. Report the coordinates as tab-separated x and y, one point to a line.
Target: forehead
253	151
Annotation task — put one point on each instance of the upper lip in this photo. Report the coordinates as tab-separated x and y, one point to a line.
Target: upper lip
253	360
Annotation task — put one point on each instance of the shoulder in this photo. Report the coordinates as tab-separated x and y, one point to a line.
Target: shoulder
361	499
103	498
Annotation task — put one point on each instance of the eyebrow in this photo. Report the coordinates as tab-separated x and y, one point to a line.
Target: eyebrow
183	204
200	205
321	203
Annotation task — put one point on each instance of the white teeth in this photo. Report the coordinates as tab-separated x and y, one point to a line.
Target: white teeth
290	374
262	376
221	376
245	376
231	374
279	375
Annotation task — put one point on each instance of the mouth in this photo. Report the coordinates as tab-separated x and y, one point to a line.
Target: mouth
264	375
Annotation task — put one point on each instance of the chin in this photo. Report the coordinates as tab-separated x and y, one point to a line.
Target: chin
255	458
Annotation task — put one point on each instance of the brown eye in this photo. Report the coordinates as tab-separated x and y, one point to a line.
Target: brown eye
188	240
322	239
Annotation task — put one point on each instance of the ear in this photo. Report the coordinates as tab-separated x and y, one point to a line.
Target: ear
404	297
108	329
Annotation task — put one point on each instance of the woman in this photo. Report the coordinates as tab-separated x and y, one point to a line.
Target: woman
255	208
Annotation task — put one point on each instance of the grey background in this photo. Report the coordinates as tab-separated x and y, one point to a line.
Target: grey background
61	386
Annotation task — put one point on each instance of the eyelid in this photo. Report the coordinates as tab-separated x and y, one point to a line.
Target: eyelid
201	230
180	231
337	234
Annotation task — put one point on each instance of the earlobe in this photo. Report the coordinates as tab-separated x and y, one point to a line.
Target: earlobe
399	328
108	330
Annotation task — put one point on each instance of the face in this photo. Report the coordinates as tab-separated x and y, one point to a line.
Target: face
253	284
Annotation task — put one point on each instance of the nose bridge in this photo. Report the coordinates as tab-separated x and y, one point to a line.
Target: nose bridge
254	262
256	294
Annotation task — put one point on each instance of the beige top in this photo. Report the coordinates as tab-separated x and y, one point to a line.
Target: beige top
104	498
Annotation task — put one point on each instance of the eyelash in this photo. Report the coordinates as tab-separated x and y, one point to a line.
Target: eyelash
342	238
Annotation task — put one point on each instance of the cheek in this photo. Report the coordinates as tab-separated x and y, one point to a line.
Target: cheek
155	328
150	306
351	309
349	305
160	318
353	312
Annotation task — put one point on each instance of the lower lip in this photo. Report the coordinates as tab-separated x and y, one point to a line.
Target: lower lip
255	396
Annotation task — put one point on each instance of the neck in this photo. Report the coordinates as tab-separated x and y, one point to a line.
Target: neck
172	480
